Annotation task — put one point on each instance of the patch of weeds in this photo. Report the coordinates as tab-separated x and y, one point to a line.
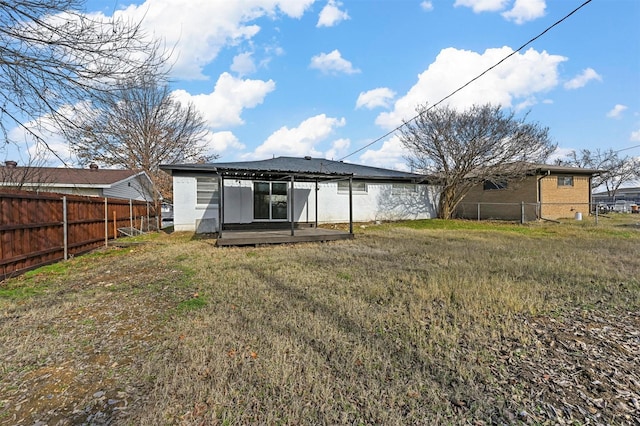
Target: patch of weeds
89	322
182	257
19	293
111	251
192	304
55	269
252	254
344	276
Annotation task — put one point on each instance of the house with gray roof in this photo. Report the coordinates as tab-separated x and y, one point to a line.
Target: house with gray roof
294	190
92	181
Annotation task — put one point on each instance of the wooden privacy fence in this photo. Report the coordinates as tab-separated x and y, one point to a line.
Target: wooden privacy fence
41	228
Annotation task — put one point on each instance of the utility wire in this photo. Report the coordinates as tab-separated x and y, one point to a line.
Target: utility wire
625	149
470	81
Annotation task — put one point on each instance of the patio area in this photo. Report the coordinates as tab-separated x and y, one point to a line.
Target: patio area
279	236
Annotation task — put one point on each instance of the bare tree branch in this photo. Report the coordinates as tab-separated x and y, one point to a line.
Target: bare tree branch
466	148
616	170
139	126
52	54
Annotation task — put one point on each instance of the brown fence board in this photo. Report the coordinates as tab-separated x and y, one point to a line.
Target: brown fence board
32	226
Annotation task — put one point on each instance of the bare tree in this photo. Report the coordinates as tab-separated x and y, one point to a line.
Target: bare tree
139	126
53	55
466	148
616	170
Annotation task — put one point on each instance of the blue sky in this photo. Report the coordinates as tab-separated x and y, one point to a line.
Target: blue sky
325	78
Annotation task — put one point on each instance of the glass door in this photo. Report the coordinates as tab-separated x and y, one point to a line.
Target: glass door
270	201
279	201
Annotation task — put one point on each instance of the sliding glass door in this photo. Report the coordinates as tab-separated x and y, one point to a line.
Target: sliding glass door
270	201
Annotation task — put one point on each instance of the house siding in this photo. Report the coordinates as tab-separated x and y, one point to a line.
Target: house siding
379	203
130	189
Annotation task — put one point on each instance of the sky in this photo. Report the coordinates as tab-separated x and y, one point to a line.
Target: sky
326	78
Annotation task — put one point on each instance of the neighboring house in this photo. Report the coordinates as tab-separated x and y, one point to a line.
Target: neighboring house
260	192
95	182
546	192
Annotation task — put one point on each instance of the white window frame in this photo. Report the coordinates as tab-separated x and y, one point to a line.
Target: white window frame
357	187
404	189
214	198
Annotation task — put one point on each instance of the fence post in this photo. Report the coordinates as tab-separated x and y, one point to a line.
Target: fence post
522	212
478	212
106	223
596	206
131	214
65	228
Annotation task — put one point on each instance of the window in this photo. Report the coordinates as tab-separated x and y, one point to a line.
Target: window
404	189
356	187
490	185
565	181
207	190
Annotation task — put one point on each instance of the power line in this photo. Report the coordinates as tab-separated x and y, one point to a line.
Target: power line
470	81
625	149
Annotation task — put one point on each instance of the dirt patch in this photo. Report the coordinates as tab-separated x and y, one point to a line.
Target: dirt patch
581	368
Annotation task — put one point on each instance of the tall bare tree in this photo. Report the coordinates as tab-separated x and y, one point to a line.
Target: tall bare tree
465	148
139	126
616	170
52	54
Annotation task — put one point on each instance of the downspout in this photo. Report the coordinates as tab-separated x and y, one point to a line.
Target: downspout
539	195
220	204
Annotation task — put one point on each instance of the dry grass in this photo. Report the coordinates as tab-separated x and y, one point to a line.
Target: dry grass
415	323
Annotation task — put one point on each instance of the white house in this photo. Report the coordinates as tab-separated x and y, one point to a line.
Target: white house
306	190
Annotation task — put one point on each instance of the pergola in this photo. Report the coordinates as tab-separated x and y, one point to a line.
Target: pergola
289	176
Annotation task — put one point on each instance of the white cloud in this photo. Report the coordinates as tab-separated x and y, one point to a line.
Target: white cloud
517	80
560	154
521	12
483	5
243	64
338	149
635	136
582	79
617	111
197	30
220	142
331	14
332	63
391	155
223	107
525	10
379	97
298	141
427	6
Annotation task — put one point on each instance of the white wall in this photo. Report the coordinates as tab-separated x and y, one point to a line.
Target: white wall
379	203
187	216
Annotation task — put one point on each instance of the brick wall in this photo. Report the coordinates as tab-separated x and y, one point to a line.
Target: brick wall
501	203
564	201
557	201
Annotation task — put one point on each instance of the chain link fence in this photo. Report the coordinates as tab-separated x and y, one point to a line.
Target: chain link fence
527	212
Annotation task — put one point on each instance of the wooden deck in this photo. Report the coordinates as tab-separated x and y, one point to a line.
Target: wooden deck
279	236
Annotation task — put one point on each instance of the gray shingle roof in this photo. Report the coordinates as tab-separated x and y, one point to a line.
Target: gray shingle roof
298	166
64	176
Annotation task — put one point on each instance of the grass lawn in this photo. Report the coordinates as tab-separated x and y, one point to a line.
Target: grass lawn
426	322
